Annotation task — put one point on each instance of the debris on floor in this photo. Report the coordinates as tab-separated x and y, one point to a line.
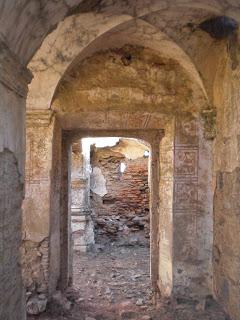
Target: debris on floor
114	284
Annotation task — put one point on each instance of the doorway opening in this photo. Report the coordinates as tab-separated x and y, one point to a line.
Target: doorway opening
110	223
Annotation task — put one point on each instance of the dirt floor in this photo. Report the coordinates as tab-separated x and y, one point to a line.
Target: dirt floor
114	284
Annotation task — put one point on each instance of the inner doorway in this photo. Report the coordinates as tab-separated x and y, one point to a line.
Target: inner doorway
111	225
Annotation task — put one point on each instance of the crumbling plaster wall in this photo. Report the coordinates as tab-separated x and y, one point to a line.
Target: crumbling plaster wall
11	195
14	79
120	200
226	257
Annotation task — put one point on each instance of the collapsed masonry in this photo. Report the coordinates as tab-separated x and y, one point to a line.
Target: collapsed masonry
120	193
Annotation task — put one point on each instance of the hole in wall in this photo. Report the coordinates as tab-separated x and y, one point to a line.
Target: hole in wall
122	167
146	154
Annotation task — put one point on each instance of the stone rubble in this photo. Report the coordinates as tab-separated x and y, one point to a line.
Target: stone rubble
115	285
36	304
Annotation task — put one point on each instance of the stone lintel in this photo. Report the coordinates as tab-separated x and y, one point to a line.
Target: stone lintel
39	118
13	74
151	136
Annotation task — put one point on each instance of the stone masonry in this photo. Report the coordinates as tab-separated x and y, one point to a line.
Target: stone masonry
75	68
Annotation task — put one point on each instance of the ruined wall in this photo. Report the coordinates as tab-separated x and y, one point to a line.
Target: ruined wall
226	257
120	201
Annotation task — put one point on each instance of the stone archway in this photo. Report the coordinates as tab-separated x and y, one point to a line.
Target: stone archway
18	44
181	192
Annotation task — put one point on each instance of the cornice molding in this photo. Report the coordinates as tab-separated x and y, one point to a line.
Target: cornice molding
39	118
13	74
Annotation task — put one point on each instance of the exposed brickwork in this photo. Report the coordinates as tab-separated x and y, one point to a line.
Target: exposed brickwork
125	206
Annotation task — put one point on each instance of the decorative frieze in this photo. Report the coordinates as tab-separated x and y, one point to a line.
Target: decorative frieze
186	156
186	195
186	162
186	133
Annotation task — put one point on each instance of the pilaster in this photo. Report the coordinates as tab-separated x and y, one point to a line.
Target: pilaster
38	202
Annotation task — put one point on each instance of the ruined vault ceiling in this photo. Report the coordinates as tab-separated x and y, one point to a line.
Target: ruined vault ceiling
127	79
33	20
86	27
81	36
